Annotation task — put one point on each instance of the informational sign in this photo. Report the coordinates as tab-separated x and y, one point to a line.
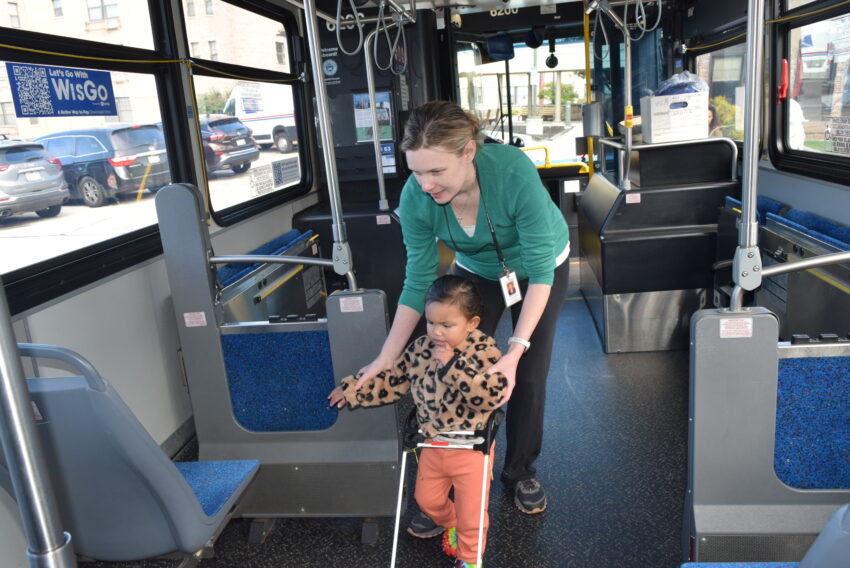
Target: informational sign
43	90
330	65
388	157
271	177
363	116
736	328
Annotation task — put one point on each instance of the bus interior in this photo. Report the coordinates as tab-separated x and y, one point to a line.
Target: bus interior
170	329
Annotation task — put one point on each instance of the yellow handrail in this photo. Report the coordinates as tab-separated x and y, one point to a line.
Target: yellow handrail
545	149
583	168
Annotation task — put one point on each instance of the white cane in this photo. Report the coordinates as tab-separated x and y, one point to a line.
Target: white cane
483	507
398	506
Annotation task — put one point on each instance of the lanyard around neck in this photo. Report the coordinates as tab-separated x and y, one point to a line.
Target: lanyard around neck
499	252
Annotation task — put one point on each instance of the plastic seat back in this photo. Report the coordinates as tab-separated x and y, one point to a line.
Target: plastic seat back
120	496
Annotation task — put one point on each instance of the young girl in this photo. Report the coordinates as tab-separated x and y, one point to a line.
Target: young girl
445	372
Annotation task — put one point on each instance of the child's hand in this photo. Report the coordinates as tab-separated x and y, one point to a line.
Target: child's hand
336	398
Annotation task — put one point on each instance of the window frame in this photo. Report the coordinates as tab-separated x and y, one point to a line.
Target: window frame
828	167
247	209
38	283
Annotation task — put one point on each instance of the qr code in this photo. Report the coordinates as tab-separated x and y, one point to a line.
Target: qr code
33	91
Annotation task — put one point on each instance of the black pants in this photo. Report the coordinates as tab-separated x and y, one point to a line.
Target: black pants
524	417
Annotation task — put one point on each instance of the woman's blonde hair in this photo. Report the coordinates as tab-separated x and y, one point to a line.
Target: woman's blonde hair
443	124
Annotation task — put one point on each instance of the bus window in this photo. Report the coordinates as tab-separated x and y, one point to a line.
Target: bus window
723	70
110	148
231	34
817	113
545	102
107	21
255	151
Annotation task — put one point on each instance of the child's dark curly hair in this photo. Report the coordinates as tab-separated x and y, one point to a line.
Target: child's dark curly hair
451	289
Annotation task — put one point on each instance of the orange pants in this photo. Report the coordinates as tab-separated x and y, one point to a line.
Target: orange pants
439	471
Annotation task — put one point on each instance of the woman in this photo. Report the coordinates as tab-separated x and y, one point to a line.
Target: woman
486	202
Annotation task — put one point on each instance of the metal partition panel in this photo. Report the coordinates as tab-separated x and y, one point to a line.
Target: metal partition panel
736	508
342	470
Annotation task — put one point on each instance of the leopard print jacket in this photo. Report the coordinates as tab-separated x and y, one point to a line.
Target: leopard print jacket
461	398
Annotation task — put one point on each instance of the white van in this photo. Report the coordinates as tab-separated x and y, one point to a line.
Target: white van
267	109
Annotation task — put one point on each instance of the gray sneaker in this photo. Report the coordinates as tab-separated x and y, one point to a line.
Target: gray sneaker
529	496
423	527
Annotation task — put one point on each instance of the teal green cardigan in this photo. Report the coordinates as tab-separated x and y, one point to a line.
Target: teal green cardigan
529	226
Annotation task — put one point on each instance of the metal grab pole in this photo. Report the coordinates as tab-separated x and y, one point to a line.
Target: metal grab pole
343	262
746	266
49	546
626	163
383	204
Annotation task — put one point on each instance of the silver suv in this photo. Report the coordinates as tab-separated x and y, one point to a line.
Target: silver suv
30	180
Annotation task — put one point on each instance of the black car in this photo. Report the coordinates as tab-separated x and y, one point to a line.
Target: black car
100	163
227	144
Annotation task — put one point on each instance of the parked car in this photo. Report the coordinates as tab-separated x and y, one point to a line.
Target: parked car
227	144
100	163
30	180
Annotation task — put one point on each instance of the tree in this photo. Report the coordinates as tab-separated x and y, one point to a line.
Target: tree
726	116
568	93
211	102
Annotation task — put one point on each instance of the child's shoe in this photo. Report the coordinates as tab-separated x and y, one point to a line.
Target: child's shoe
450	542
461	564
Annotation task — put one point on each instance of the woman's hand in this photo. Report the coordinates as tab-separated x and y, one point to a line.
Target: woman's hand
372	369
507	366
336	398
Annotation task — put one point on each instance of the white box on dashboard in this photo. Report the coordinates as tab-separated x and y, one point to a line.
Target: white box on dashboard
672	118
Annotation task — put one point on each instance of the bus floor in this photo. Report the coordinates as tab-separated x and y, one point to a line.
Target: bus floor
614	467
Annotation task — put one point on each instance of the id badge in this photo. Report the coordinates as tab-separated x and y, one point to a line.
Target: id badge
510	288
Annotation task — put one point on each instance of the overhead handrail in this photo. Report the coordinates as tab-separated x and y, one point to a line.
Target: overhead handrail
383	27
274	259
357	24
640	16
398	15
48	544
736	300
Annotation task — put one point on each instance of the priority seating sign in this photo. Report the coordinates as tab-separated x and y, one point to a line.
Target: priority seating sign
43	90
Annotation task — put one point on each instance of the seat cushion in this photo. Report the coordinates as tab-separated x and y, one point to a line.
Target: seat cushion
213	482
